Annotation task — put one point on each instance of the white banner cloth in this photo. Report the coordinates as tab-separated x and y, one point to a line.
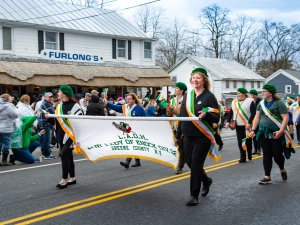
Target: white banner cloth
102	139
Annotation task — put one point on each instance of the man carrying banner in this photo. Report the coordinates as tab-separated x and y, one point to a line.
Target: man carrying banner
174	110
198	137
132	108
271	121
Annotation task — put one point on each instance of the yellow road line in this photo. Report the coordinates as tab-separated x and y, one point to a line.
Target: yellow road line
116	194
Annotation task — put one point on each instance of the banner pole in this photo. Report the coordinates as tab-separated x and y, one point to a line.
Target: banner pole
124	118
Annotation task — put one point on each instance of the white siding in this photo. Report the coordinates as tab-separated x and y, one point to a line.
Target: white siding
217	89
25	43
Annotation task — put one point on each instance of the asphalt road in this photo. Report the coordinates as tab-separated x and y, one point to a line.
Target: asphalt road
106	193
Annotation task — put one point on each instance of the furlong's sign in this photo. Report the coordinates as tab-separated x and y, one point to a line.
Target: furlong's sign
71	56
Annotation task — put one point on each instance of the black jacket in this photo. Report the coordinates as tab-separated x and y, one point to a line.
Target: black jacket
94	108
187	128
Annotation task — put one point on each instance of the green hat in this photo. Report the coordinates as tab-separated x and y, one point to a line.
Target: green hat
67	90
270	87
181	86
253	92
199	70
242	90
164	104
298	95
291	97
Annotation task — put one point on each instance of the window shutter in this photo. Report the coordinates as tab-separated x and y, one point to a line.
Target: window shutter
41	40
114	48
129	50
61	41
6	31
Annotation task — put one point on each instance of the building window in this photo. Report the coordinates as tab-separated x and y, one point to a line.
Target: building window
234	84
258	84
174	79
6	37
244	84
121	48
51	40
252	84
288	89
227	83
147	50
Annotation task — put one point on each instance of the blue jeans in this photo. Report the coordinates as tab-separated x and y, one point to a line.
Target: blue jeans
45	140
24	154
5	139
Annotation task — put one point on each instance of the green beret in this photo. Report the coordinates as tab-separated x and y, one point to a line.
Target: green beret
242	90
270	87
291	97
181	86
253	92
199	70
67	90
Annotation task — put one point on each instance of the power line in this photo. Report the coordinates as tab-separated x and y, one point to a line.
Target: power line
113	11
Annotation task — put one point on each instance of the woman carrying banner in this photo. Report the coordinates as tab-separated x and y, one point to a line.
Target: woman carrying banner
271	121
131	108
64	134
198	137
242	111
174	111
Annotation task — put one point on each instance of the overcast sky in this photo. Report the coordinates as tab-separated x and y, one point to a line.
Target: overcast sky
287	11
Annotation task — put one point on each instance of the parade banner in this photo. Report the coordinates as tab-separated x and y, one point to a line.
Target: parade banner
102	139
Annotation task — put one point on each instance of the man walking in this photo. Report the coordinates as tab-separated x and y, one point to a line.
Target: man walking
253	95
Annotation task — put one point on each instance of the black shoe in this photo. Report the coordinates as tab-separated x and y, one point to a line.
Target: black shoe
62	186
192	202
250	157
179	170
242	160
126	165
220	147
205	188
284	175
136	164
71	182
255	152
265	181
12	159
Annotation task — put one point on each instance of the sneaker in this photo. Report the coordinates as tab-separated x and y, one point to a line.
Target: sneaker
284	175
265	181
50	157
42	156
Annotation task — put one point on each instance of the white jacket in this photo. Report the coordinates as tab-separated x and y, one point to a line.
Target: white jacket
8	116
245	105
25	110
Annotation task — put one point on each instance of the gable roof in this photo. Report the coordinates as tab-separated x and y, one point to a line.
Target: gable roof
293	75
47	13
222	69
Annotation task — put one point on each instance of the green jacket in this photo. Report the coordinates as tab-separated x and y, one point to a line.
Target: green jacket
26	131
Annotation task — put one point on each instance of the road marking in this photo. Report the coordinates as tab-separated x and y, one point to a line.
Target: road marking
81	204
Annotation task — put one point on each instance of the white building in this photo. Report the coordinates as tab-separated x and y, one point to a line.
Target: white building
225	76
45	43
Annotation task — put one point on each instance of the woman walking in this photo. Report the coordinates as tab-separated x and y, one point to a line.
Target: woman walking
271	120
242	111
196	140
68	106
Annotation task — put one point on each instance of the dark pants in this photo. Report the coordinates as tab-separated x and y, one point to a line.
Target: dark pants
137	160
181	153
67	162
218	138
256	143
271	148
298	132
241	134
195	151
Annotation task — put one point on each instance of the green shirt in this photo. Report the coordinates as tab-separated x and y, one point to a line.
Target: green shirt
277	108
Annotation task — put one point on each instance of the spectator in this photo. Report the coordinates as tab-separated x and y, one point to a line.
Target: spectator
47	125
111	112
8	116
94	108
29	143
150	108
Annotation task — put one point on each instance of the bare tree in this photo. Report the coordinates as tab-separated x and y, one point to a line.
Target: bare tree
170	48
150	20
216	23
245	40
281	44
88	3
